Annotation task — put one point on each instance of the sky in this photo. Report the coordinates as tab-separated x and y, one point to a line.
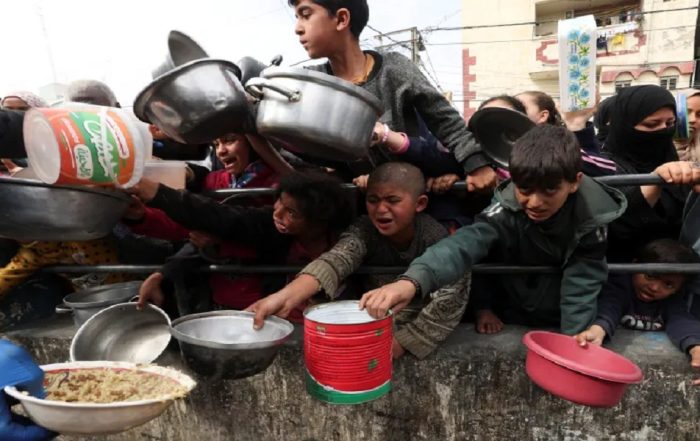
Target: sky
120	42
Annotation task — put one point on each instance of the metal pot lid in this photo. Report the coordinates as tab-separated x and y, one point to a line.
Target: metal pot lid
325	80
35	183
145	95
105	295
497	128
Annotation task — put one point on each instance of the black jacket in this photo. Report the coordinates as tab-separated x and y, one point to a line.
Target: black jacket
11	138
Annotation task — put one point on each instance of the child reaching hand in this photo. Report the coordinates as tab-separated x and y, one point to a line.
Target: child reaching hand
639	301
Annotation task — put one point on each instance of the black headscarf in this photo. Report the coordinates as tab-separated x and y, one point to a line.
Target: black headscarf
632	149
601	119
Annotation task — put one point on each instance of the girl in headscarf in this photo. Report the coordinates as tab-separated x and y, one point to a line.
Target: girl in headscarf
601	119
22	100
642	124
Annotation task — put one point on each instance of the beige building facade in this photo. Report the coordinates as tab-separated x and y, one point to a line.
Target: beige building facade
510	46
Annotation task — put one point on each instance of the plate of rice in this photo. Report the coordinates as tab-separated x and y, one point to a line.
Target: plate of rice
102	397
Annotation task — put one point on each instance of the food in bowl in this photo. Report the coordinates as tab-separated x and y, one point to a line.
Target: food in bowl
84	418
105	385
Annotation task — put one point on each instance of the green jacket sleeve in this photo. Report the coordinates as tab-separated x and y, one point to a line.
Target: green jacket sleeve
583	276
448	260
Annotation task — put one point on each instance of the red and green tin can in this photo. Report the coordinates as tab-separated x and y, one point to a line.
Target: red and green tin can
347	353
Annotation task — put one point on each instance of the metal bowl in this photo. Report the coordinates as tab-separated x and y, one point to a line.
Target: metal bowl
97	418
224	345
37	211
196	102
88	302
497	129
122	333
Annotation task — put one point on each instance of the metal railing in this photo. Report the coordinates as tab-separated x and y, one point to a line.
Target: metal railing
614	180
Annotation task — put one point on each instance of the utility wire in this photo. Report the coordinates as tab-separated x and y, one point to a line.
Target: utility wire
536	23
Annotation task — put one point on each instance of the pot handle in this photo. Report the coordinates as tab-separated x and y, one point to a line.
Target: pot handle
254	87
62	308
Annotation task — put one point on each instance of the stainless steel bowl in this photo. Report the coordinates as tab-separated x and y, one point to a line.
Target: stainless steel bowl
88	302
224	345
314	113
122	333
196	102
33	210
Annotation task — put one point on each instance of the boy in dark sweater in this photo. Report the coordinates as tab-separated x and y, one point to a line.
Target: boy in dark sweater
649	302
331	29
549	214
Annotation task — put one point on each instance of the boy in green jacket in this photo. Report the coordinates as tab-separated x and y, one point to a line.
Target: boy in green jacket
548	214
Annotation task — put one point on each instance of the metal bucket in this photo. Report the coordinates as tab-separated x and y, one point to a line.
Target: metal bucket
88	302
347	353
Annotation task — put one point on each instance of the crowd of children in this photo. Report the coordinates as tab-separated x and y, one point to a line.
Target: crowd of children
544	210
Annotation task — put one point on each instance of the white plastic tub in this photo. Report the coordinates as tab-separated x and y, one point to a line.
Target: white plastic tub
170	173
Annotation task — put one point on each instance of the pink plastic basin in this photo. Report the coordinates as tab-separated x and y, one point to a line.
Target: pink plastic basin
590	375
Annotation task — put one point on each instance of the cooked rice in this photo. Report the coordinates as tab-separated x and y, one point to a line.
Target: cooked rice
104	385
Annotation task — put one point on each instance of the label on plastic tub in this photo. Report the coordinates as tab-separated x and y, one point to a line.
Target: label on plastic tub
94	147
577	63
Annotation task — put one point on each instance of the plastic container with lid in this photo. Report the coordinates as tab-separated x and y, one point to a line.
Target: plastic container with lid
86	144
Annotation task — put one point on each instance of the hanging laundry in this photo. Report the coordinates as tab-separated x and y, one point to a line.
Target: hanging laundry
601	43
618	40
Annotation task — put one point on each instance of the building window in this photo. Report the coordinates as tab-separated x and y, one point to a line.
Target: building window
669	82
619	85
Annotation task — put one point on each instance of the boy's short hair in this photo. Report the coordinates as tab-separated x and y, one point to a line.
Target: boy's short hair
545	156
359	12
405	176
666	251
321	198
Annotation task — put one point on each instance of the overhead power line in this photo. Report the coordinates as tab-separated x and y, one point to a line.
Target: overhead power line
530	23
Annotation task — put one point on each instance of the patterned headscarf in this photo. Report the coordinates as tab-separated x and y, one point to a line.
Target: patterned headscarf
31	99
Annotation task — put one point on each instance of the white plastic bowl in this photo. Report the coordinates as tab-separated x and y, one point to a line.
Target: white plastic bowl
96	418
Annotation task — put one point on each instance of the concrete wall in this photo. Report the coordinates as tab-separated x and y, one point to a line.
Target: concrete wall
473	388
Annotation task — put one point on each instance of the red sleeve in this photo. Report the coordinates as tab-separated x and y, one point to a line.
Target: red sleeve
157	224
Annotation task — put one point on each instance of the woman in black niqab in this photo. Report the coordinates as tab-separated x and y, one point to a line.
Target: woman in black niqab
642	123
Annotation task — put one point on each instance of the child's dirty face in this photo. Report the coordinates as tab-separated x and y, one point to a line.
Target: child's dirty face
315	27
287	216
392	209
234	153
541	204
653	287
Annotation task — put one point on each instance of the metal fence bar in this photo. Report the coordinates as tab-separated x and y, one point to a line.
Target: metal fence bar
655	268
615	180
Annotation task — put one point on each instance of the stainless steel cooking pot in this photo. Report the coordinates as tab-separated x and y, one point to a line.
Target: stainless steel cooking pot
181	49
122	333
196	102
314	113
88	302
33	210
223	344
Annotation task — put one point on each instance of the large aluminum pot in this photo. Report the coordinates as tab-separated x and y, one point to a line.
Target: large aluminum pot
88	302
197	102
181	49
122	333
223	344
33	210
314	113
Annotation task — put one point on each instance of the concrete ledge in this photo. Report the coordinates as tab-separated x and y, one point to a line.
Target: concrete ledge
473	388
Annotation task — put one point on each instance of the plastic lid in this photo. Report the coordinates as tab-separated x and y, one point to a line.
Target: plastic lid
41	146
